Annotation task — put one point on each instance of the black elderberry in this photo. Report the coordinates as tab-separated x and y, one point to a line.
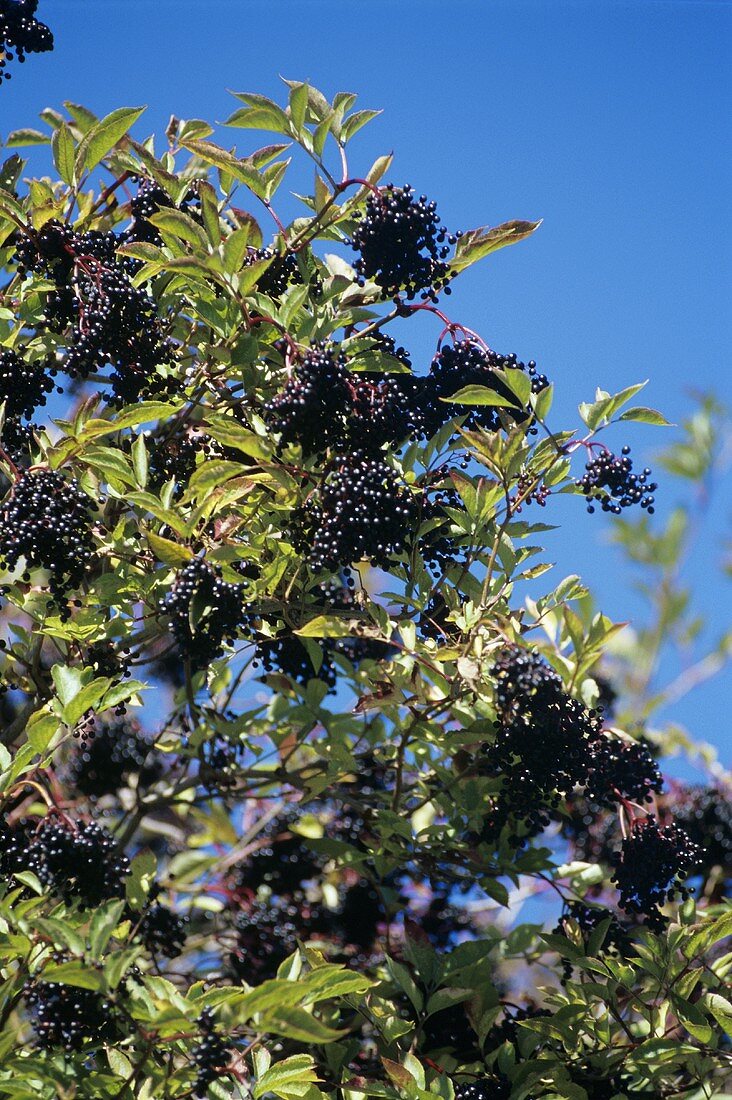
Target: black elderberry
162	931
508	1030
70	1017
13	849
609	481
21	33
150	199
467	363
362	511
495	1087
313	408
211	1056
283	863
652	865
46	522
450	1029
205	612
78	861
402	246
106	319
24	385
622	770
282	271
705	815
267	933
109	754
617	940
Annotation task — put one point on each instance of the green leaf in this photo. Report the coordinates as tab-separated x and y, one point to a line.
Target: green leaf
720	1008
644	415
298	1024
103	924
139	461
290	1077
477	243
103	136
172	553
19	138
64	154
298	105
479	395
67	681
182	226
240	170
73	973
143	870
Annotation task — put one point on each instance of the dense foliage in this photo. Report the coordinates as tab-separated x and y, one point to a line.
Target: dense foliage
290	733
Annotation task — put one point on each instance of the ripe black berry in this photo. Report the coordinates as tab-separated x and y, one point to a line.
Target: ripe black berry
205	612
211	1056
78	861
69	1017
314	405
24	384
622	769
109	755
610	482
705	814
279	275
149	200
21	32
402	245
466	363
46	521
495	1087
651	866
362	511
162	931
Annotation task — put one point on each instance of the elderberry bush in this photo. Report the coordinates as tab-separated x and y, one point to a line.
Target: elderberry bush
299	751
402	246
21	33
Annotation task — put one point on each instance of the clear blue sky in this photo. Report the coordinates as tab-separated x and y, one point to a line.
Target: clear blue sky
607	119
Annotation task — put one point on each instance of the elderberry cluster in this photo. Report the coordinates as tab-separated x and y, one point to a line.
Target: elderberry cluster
543	742
610	482
77	861
282	271
495	1087
205	612
162	931
402	246
467	363
705	814
363	511
149	200
69	1017
24	387
21	33
622	770
651	867
105	318
110	754
617	940
211	1056
46	521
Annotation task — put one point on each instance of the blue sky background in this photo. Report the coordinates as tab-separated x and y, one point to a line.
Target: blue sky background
609	120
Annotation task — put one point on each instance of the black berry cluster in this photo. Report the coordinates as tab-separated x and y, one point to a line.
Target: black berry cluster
205	612
162	931
652	865
282	271
150	199
21	33
211	1056
106	319
402	246
543	742
78	861
450	1030
24	387
467	363
363	511
495	1087
610	482
326	405
705	814
46	521
282	863
69	1017
617	940
13	849
622	770
110	754
508	1030
285	652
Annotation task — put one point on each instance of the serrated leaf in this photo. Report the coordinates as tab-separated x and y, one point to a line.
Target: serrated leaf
64	153
285	1078
143	870
172	553
73	973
